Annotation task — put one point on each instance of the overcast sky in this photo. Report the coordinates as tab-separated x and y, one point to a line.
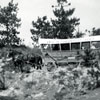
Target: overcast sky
87	10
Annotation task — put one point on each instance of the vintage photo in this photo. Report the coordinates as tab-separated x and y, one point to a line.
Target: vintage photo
49	50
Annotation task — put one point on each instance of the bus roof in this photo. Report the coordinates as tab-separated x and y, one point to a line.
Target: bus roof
71	40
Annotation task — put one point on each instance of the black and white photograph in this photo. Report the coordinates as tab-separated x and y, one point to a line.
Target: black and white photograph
49	50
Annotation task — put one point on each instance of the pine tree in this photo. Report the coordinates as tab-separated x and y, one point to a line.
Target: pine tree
9	24
90	61
95	31
62	26
88	58
41	28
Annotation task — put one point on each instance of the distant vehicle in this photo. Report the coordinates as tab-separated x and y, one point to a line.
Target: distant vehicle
67	50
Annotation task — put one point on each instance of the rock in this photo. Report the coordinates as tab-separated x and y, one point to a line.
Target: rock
29	78
13	72
6	92
18	92
11	88
38	95
1	69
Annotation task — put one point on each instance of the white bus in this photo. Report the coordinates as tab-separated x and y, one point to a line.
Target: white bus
67	49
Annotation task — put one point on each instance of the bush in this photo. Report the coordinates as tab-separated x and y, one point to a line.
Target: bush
90	61
76	81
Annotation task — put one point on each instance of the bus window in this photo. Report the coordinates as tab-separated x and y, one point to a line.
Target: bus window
96	44
46	46
85	45
65	46
75	46
55	47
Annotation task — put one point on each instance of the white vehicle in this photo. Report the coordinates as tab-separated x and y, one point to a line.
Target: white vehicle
66	50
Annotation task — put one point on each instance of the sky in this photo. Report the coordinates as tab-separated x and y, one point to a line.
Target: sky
87	10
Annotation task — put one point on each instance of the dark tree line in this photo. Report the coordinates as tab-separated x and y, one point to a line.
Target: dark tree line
62	26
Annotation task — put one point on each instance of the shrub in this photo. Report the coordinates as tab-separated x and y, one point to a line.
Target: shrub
90	61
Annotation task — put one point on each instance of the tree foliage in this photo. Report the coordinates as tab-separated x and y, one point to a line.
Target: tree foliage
88	58
95	31
79	34
9	24
41	28
90	61
62	26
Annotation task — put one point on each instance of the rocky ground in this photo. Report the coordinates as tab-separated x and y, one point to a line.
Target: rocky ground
32	86
38	85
